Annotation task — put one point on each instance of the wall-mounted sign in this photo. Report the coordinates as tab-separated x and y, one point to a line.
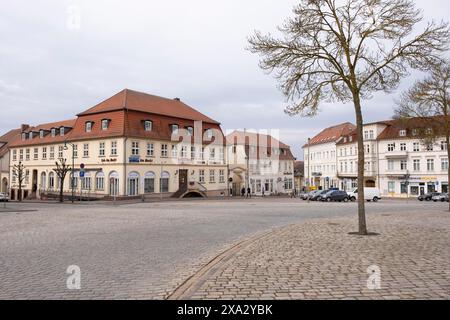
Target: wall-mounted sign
134	159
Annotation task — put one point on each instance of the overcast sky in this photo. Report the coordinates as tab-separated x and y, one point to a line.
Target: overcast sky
53	67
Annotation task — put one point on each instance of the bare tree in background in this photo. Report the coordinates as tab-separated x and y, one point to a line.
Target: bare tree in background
61	171
18	172
429	99
345	51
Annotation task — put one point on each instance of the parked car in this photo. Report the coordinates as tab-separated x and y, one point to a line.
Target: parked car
428	196
370	194
4	197
319	195
336	195
310	194
442	197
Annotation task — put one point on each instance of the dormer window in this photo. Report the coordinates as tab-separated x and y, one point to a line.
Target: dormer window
190	130
148	125
209	133
88	126
402	133
174	128
41	134
53	132
24	136
105	124
30	135
62	131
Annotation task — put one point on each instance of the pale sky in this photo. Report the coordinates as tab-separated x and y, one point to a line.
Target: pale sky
53	67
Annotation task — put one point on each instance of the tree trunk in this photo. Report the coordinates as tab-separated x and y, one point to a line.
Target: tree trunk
362	228
447	137
61	194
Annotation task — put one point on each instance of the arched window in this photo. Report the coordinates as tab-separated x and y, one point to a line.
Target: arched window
133	183
51	180
100	181
86	181
43	180
113	183
149	182
164	181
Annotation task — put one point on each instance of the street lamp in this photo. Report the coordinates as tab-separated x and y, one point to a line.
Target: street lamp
309	168
73	167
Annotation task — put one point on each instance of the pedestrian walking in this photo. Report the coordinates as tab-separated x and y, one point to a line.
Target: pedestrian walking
249	193
262	190
243	192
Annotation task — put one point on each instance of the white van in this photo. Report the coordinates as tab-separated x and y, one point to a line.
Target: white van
370	194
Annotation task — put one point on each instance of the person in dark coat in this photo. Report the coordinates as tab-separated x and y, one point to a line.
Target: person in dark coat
243	192
249	193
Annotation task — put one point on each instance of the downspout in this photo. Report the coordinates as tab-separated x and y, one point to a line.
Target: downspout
125	146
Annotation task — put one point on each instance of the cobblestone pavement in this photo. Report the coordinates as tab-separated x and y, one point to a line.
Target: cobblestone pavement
141	250
320	260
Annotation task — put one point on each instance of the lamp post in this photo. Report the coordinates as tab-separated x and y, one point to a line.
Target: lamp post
309	168
73	168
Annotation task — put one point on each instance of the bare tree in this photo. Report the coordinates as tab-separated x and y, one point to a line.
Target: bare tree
61	171
429	100
345	51
18	172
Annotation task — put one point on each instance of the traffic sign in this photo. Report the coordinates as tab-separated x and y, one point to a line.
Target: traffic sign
82	166
81	173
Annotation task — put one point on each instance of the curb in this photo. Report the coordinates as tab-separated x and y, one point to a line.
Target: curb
194	282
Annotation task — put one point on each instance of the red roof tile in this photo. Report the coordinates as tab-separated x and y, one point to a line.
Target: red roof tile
332	134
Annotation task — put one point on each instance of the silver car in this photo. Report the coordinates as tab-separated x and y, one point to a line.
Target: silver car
442	197
4	197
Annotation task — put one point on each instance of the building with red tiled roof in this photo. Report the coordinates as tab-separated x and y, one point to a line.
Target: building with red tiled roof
132	144
260	162
5	142
397	159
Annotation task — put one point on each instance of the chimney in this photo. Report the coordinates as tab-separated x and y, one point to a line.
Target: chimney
24	127
177	99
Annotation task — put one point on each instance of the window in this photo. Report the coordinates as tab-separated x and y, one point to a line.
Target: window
75	150
44	153
62	131
221	154
202	153
415	132
371	134
174	128
52	153
105	125
24	136
403	188
51	180
21	155
101	149
443	146
288	184
192	152
135	148
430	164
53	132
150	150
212	153
149	182
212	176
30	135
221	176
366	135
430	147
416	147
60	152
444	164
74	181
88	126
164	150
27	154
100	181
209	133
403	165
86	150
391	147
86	182
183	152
190	130
165	182
201	176
402	146
14	155
41	134
174	151
148	125
416	165
391	186
402	133
114	148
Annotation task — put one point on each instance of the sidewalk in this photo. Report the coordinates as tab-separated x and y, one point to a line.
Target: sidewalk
320	260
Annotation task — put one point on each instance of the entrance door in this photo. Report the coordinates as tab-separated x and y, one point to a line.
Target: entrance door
133	186
183	179
34	185
422	191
